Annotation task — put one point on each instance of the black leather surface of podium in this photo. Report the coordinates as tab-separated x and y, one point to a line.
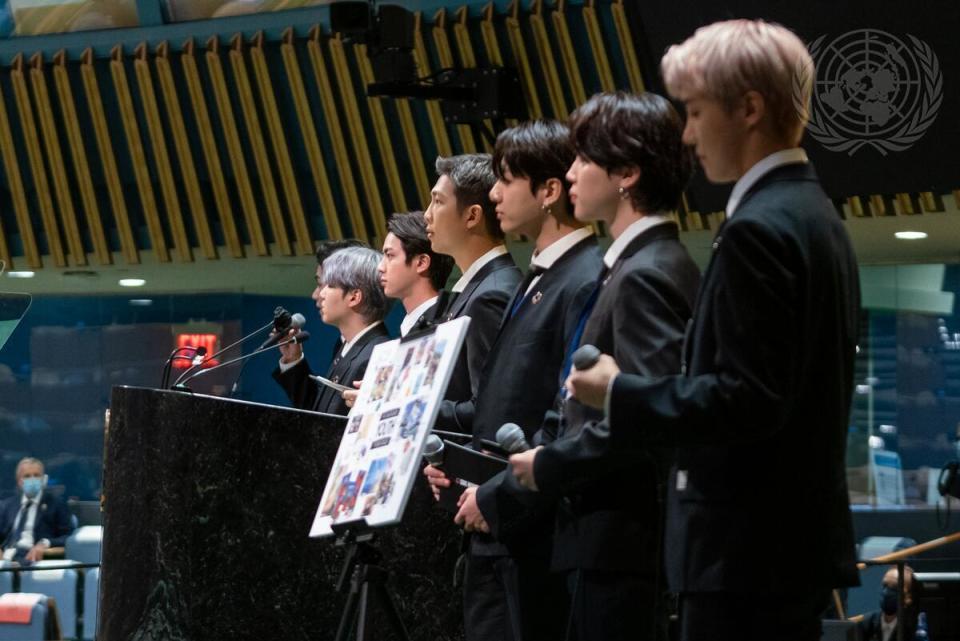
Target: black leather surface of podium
208	504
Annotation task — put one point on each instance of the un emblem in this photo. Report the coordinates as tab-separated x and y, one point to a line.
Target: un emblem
871	90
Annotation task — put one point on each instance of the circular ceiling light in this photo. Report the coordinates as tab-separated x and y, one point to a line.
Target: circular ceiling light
21	274
132	282
911	235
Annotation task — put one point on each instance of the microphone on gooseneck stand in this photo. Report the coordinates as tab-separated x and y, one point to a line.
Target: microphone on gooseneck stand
300	337
279	314
293	321
511	438
198	352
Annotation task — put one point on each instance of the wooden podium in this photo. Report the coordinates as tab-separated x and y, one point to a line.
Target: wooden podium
207	507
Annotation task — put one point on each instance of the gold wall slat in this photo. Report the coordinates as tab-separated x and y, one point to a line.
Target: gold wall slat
360	146
58	171
259	147
878	206
461	35
218	183
597	46
337	142
411	141
31	138
161	156
905	205
492	45
929	201
567	53
21	210
522	60
548	65
281	151
181	144
379	121
440	135
856	206
626	46
445	54
108	161
228	123
138	157
81	166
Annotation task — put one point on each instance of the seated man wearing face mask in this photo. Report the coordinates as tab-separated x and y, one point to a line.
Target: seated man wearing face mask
33	520
882	624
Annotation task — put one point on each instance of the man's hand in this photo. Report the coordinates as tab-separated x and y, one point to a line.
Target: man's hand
350	395
522	465
590	386
36	552
292	352
437	480
469	515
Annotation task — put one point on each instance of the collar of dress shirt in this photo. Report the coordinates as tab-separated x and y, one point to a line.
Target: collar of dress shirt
348	344
477	265
792	156
559	247
633	230
412	317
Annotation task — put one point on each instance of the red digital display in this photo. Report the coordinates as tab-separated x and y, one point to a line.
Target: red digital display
207	341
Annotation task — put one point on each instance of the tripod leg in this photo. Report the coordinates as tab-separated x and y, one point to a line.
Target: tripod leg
362	615
349	616
390	607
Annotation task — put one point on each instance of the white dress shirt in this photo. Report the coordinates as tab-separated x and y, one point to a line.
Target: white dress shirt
633	230
555	250
477	265
353	341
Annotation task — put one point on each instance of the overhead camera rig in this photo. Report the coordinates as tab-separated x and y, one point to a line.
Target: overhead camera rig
466	96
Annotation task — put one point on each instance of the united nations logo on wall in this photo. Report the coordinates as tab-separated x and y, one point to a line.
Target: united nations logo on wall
871	90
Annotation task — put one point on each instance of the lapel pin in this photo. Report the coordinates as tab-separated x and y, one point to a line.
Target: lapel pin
536	298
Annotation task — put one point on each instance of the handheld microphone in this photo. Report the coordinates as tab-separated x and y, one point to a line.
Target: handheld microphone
433	450
511	438
295	321
585	357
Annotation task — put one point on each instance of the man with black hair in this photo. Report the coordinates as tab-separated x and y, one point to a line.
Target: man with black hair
462	223
410	270
630	170
509	592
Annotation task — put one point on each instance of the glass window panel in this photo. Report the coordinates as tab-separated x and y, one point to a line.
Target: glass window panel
36	17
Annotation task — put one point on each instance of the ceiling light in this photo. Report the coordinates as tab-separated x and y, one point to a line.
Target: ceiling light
132	282
141	302
21	274
911	235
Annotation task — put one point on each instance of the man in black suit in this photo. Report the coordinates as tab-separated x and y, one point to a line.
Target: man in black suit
462	223
508	591
34	520
631	168
759	414
349	297
881	625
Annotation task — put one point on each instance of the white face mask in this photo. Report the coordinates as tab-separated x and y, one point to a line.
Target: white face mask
32	487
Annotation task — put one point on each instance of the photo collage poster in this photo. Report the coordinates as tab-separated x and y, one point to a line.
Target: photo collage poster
379	456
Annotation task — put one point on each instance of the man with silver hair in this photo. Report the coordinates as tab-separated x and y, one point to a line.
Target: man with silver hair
349	297
34	520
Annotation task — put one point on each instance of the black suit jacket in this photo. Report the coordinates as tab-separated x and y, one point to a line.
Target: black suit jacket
306	394
522	373
483	299
871	627
611	519
53	520
760	415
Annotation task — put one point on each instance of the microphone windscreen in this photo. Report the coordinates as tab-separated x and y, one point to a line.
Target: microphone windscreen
433	450
297	320
511	438
586	357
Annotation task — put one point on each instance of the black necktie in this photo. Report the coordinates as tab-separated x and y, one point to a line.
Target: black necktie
21	522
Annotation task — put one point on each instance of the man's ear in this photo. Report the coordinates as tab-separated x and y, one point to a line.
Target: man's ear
629	178
472	216
552	189
422	263
354	299
754	108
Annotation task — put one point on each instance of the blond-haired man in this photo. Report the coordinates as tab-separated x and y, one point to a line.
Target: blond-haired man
759	414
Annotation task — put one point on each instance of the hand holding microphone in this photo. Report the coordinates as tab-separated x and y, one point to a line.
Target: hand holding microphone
291	352
433	453
590	376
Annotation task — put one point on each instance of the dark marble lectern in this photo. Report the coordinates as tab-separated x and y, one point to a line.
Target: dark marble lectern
208	503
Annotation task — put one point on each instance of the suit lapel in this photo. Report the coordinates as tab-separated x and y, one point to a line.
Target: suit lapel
460	302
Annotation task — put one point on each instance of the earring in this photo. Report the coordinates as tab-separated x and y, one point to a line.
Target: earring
623	193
